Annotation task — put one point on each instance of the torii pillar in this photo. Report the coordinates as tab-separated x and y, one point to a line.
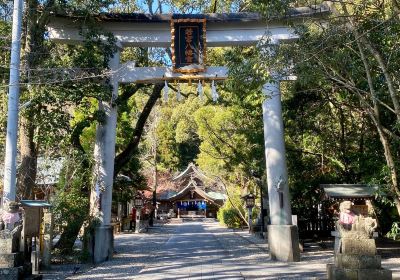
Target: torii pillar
283	237
102	238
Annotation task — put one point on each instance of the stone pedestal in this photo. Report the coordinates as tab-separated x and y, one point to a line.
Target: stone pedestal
355	249
357	267
102	244
11	260
283	243
356	259
361	247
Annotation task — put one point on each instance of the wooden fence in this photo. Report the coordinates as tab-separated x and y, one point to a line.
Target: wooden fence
321	227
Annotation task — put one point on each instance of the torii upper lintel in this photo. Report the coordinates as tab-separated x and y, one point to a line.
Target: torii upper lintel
144	30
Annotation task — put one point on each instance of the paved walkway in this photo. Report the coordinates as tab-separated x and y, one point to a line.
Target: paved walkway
202	251
193	252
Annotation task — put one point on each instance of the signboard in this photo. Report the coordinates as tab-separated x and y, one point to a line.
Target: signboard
188	44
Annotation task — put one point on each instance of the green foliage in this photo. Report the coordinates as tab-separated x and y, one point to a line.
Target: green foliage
71	208
330	136
59	128
176	132
394	233
233	212
229	216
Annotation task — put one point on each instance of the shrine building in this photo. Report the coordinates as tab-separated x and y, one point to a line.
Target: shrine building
196	195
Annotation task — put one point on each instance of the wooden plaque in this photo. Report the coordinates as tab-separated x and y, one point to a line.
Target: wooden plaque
188	44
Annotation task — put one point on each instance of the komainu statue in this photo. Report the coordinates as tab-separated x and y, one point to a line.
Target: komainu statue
354	226
11	228
355	255
11	259
10	217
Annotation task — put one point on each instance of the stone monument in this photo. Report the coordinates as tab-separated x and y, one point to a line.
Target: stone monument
355	250
11	259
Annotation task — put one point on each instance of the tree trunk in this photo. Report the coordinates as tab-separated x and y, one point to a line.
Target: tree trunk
394	187
125	156
375	116
71	231
396	200
28	167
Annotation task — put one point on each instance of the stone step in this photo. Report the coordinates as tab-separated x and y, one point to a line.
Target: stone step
34	277
175	221
193	219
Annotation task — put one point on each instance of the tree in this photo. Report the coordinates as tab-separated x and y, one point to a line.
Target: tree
349	59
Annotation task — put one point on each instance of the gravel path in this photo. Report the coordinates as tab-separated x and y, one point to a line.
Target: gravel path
202	251
250	255
193	252
313	260
133	253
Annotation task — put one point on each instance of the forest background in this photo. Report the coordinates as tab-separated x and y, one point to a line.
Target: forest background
341	116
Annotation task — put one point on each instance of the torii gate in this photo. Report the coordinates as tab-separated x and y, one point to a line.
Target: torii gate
236	29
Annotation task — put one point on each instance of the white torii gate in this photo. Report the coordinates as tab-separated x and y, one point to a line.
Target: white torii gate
142	30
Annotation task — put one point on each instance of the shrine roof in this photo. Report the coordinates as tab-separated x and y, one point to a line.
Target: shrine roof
49	170
211	196
217	195
349	191
190	169
166	195
35	203
301	12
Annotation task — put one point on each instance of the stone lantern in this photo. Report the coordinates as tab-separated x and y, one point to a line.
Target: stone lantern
138	202
250	200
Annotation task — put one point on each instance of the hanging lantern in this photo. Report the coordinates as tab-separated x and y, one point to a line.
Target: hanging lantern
214	93
200	90
166	89
179	96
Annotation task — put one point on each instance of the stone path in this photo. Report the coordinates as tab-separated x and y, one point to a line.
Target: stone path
203	251
193	252
133	253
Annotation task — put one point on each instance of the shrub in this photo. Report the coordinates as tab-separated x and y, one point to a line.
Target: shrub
229	216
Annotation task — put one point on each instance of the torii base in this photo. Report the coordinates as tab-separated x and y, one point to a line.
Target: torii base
101	244
283	241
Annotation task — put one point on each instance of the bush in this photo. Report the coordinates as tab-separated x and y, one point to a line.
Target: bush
229	216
